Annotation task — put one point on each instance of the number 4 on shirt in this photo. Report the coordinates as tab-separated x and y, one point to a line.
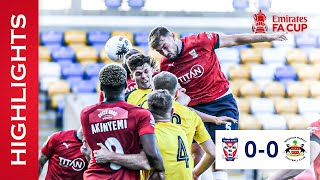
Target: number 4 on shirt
182	152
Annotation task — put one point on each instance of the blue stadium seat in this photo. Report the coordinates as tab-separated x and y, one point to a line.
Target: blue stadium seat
73	80
51	37
64	53
264	4
240	4
74	69
308	105
306	40
262	74
84	86
285	74
113	4
136	4
98	37
93	69
184	34
141	38
53	47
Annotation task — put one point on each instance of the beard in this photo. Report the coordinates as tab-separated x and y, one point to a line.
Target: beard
174	54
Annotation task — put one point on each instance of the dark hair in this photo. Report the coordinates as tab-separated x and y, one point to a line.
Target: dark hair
113	77
139	59
156	34
160	102
166	80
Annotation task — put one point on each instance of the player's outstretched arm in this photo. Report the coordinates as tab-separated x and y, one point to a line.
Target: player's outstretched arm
207	159
130	161
287	173
41	162
152	152
239	39
214	119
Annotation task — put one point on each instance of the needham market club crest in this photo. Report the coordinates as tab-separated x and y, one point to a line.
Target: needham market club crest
295	149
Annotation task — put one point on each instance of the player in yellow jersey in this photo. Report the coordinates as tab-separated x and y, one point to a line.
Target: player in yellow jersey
188	120
171	139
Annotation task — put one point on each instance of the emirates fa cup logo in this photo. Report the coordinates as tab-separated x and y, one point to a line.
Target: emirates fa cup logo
259	26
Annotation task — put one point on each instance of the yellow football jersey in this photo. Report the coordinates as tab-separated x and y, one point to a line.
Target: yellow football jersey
172	142
187	119
138	97
190	122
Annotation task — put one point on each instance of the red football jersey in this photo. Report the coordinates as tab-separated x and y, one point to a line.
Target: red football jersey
316	163
65	159
118	126
198	69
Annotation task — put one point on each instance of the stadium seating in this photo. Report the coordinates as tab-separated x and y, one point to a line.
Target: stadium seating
261	106
240	5
239	72
297	89
75	37
274	89
249	122
273	83
286	106
305	40
251	56
51	38
264	4
113	4
44	54
136	4
314	56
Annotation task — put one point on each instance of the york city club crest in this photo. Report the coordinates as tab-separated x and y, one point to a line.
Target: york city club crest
230	147
259	26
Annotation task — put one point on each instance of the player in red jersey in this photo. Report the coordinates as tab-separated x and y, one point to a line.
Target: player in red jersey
62	149
121	127
193	60
314	156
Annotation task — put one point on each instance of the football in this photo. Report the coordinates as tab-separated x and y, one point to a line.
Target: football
116	47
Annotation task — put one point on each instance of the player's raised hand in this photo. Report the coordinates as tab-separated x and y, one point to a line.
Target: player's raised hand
157	176
278	36
102	155
223	120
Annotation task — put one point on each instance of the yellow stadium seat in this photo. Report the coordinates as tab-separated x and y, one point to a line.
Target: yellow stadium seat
249	122
75	37
58	87
177	35
308	72
250	89
297	89
243	105
105	59
315	90
55	100
235	86
251	56
314	56
286	106
262	45
274	89
154	54
239	72
126	34
297	56
295	122
44	54
86	53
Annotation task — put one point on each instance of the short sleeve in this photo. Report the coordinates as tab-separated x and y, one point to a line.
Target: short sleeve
48	147
209	40
145	123
201	134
